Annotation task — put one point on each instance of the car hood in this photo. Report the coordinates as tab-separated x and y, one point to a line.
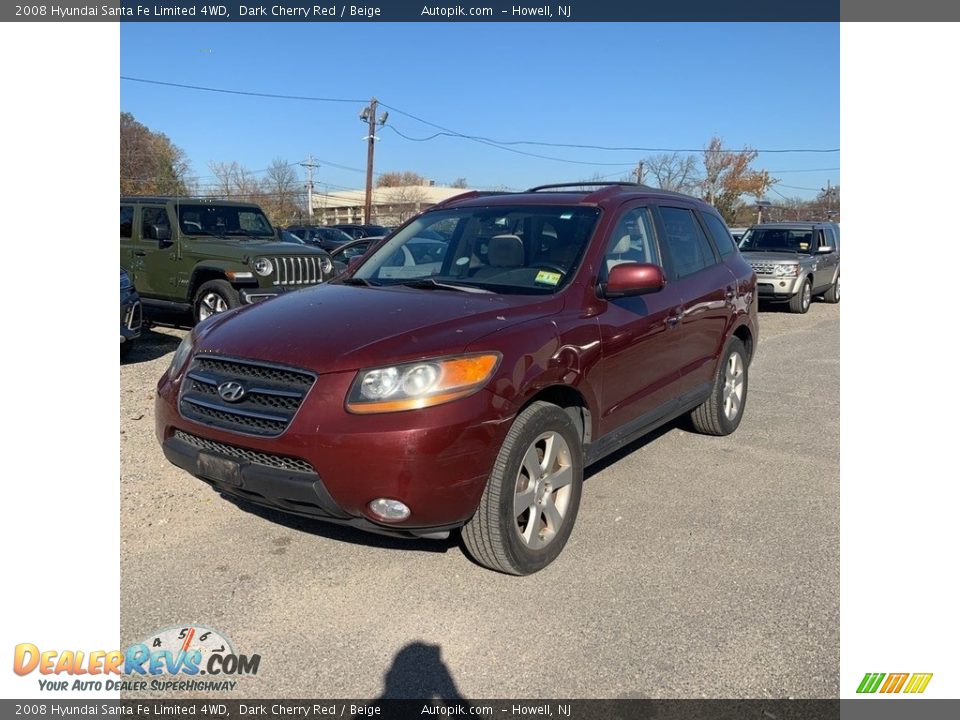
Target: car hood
254	247
772	257
331	328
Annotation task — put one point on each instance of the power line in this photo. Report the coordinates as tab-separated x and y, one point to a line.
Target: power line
239	92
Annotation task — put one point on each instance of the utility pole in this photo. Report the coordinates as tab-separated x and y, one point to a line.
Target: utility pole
369	115
309	165
831	193
639	172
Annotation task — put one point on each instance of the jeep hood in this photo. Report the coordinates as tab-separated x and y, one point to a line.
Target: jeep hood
253	247
331	328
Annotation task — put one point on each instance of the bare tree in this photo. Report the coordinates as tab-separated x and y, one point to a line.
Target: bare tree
673	171
403	203
460	183
281	191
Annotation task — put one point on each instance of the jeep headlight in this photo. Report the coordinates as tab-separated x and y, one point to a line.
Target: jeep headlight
788	270
263	266
180	356
415	385
326	264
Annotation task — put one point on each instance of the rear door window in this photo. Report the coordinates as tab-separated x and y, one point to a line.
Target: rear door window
720	234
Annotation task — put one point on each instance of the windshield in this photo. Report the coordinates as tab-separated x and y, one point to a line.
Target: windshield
224	220
795	240
500	249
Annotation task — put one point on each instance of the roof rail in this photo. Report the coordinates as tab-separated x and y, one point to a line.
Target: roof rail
584	184
469	194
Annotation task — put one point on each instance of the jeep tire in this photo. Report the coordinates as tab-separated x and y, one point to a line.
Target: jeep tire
721	412
213	297
529	507
800	302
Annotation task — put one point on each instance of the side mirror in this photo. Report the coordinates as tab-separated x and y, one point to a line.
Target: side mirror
629	278
824	249
159	232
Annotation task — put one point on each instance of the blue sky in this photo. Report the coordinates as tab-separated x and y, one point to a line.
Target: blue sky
638	85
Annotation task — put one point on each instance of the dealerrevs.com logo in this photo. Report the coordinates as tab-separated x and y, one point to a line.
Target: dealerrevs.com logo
911	683
187	658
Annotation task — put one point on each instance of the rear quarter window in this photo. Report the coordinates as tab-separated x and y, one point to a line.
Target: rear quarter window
720	234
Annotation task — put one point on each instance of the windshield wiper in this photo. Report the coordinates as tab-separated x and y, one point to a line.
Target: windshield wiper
431	284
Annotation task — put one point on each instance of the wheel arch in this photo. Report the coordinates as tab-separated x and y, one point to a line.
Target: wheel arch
572	401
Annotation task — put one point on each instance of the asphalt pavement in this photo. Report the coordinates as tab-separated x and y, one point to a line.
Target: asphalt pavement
698	567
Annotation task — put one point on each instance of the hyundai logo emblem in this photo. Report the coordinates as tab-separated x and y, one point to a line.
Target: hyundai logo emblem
231	391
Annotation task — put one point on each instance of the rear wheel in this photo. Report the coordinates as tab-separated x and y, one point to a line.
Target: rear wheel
531	500
213	297
800	302
720	413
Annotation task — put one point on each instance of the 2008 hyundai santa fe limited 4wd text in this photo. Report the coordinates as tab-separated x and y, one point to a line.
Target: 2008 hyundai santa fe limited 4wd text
463	373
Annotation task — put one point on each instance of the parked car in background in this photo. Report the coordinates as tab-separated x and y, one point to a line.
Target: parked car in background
546	330
348	251
361	231
131	314
289	237
323	237
738	233
208	256
794	262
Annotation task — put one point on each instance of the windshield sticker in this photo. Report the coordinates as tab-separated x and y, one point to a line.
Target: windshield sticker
547	278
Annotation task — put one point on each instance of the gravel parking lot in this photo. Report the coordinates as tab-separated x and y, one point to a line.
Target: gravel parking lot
699	566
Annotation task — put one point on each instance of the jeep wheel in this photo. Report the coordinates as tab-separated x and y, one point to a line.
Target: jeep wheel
213	297
531	500
833	294
800	302
126	347
720	413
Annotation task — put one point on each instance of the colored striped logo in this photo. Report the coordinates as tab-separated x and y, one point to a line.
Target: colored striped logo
894	682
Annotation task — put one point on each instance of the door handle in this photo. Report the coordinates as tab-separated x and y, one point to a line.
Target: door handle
140	253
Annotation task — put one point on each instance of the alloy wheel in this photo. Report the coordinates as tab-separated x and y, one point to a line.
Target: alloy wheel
733	378
543	490
211	304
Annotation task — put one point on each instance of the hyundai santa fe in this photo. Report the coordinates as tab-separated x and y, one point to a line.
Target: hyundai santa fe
470	379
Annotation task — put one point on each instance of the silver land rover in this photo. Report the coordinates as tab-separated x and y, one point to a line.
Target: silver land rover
795	262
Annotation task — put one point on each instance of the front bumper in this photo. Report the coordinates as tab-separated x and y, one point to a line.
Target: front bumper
778	288
131	316
435	460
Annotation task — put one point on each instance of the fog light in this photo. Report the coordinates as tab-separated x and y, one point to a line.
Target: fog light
389	510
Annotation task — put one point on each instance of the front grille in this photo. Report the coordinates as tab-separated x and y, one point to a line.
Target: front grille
271	395
297	270
134	317
256	457
763	268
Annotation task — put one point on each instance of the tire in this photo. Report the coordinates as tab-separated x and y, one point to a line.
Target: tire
125	348
720	414
833	294
800	302
213	297
499	536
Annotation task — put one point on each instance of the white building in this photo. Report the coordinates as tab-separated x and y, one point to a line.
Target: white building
390	205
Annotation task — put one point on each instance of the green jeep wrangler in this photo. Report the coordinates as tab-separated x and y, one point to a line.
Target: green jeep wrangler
208	256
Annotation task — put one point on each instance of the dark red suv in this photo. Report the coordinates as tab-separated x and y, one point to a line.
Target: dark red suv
468	368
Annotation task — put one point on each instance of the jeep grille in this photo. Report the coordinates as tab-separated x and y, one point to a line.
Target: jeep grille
271	395
297	270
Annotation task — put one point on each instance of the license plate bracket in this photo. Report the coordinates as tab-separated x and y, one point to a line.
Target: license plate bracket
218	469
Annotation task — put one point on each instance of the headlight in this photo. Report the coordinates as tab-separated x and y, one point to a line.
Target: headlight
420	384
180	356
791	270
263	266
326	265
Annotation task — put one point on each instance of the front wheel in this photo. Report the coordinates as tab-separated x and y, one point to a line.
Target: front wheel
720	413
213	297
800	302
530	504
